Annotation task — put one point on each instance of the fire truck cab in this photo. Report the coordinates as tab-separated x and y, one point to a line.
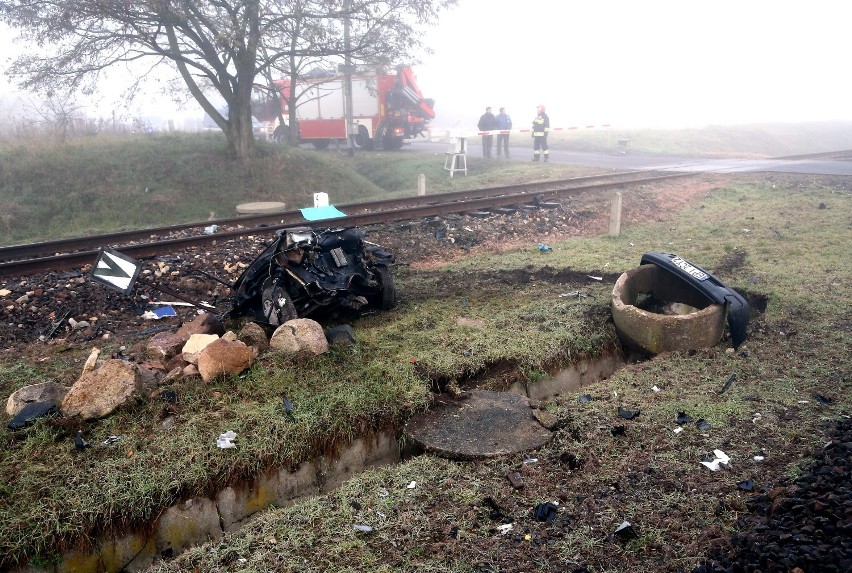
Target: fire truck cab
387	109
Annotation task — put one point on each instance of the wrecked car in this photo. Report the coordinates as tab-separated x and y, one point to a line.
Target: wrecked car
307	273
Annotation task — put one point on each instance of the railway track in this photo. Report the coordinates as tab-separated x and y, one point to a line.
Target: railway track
65	254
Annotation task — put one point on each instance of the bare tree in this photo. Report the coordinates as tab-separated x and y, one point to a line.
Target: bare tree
58	111
218	45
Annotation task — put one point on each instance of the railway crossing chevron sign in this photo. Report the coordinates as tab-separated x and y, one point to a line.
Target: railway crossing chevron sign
115	270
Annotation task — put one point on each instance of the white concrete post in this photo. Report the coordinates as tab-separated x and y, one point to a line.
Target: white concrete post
421	185
615	216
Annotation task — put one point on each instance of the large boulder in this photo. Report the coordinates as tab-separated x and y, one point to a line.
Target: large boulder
43	392
298	335
224	358
99	392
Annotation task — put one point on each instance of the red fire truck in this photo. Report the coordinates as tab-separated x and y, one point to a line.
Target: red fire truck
387	109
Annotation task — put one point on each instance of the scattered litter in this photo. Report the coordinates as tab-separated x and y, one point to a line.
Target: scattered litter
530	460
702	424
226	440
584	398
746	485
515	479
625	530
721	460
288	408
211	229
54	326
383	492
158	313
595	278
804	402
618	430
627	414
412	485
575	294
544	248
111	440
242	560
30	413
505	528
683	419
79	442
759	458
728	383
362	528
757	416
677	430
824	400
546	512
655	388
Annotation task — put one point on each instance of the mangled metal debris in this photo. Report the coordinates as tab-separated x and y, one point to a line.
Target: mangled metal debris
306	273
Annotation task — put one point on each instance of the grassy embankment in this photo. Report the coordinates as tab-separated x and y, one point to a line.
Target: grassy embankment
53	497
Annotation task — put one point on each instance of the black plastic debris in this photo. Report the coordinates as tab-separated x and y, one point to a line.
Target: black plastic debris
288	408
79	442
702	424
746	485
728	383
30	413
711	287
546	512
624	531
618	430
683	419
454	533
627	414
495	513
824	400
168	397
49	331
584	398
342	334
572	461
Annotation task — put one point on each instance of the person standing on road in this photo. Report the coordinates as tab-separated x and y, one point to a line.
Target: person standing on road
487	123
504	123
540	129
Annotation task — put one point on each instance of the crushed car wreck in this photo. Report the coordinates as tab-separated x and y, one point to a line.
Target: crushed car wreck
313	273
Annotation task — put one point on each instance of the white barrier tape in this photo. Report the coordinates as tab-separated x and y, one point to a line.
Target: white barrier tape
508	131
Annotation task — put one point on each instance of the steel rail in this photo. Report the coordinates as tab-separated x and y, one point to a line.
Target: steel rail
152	249
64	246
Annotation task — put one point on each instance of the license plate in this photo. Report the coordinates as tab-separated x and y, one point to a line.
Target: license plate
690	269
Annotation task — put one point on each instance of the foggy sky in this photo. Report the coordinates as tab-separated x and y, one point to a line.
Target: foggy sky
658	63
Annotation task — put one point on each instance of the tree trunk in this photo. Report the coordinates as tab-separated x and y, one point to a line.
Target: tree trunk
239	130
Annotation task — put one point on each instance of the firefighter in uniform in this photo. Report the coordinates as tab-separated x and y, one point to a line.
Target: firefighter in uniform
540	129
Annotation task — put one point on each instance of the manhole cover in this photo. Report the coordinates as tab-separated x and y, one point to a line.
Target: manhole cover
481	424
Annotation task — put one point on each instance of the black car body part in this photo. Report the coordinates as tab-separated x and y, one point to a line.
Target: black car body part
307	273
708	285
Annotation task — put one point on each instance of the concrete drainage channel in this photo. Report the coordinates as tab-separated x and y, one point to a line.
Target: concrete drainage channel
197	520
493	424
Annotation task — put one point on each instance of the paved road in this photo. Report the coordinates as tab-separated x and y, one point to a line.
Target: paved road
633	161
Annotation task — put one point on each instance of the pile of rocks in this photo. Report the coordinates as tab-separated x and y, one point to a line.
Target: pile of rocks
199	348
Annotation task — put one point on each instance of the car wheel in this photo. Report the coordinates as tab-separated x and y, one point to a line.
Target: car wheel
276	305
386	299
